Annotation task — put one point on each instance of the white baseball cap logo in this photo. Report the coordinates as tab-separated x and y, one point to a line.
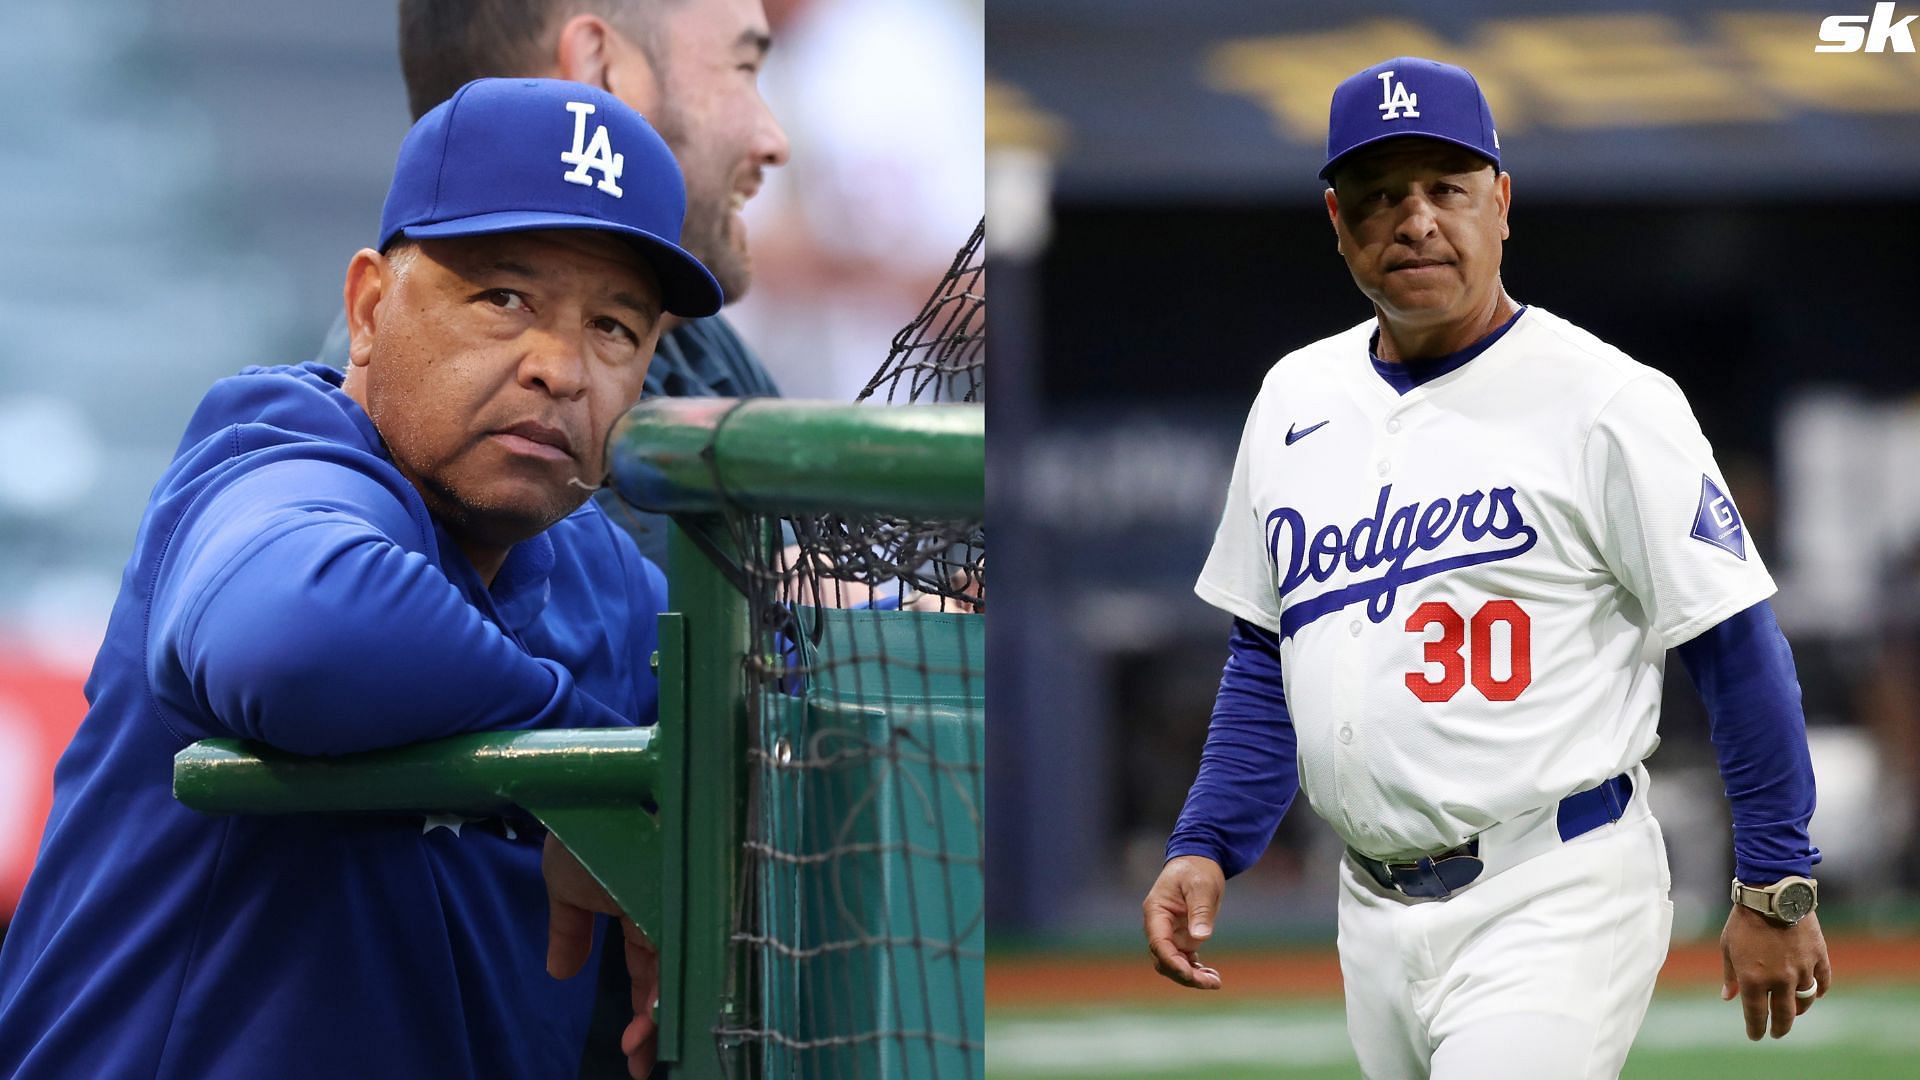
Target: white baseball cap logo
1395	101
597	154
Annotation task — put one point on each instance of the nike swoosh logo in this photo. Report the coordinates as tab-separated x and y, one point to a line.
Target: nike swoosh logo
1295	436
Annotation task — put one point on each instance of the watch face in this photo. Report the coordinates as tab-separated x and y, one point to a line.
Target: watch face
1795	901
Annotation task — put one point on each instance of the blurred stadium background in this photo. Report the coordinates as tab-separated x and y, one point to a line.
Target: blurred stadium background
182	183
1693	183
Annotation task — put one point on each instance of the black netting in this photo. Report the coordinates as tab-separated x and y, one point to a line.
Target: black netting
859	924
941	355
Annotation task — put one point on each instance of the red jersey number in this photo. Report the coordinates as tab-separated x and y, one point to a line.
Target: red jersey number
1465	644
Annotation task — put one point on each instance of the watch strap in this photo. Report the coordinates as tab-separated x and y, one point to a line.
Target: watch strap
1765	899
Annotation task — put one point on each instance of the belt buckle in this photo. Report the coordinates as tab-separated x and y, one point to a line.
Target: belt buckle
1448	871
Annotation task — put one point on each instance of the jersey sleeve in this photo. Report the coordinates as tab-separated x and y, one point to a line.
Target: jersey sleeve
1238	575
1663	516
1249	772
296	608
1744	671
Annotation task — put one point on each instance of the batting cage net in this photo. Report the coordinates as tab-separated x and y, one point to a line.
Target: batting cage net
859	922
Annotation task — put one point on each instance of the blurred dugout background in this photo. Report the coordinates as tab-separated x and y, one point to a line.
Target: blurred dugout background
1692	182
182	183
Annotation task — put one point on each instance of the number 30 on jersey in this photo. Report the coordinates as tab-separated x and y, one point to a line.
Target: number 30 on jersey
1466	649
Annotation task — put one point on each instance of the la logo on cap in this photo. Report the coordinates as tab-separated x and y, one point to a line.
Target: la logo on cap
1395	101
595	155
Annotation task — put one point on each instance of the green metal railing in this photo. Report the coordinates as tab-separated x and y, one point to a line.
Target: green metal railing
692	455
589	787
673	869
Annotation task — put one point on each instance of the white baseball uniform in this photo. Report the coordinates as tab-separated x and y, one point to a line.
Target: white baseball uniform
1475	585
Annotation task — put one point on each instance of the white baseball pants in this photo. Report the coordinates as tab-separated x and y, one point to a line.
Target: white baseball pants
1541	971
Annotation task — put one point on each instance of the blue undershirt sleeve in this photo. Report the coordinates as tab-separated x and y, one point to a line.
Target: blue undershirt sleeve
295	609
1248	774
1744	671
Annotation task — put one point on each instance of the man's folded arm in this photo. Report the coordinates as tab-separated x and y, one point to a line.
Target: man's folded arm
296	607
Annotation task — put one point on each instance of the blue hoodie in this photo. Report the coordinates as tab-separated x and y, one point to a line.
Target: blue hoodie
288	586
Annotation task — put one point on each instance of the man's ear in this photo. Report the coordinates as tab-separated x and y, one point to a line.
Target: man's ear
1503	197
591	51
368	281
1333	217
580	53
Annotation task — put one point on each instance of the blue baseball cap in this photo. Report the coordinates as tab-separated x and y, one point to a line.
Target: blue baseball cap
1409	96
513	155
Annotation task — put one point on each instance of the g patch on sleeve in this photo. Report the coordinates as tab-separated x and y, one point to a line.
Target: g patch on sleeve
1717	522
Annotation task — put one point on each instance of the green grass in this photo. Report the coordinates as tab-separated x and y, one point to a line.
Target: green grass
1859	1034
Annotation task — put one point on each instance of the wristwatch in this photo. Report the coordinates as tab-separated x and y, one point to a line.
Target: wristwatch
1786	901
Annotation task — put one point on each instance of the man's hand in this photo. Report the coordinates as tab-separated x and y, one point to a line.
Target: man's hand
1763	960
573	898
1179	911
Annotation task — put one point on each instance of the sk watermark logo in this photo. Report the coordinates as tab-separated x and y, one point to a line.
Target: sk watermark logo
1395	101
1867	33
595	155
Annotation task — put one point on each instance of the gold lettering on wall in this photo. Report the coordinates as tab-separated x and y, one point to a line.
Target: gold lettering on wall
1776	51
1585	72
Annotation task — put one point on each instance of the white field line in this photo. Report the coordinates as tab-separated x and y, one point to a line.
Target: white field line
1102	1043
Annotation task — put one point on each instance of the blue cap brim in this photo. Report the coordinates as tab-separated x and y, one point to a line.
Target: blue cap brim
1326	171
687	287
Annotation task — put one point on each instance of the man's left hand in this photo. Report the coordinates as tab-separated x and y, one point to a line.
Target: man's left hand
573	898
1764	963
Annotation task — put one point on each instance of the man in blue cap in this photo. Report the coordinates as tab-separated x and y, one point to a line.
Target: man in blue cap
692	68
1459	540
345	561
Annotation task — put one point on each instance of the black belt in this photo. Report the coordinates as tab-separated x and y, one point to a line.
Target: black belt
1440	875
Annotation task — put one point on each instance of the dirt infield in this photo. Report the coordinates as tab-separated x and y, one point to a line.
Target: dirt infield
1038	979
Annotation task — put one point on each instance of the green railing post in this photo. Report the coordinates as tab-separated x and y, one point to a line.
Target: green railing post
713	795
670	664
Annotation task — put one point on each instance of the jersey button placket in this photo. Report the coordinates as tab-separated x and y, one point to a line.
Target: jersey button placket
1348	769
1384	448
1356	666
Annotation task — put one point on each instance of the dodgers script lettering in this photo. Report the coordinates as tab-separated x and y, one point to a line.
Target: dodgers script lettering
1389	540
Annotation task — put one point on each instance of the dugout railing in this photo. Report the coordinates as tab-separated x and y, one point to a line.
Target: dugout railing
661	815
